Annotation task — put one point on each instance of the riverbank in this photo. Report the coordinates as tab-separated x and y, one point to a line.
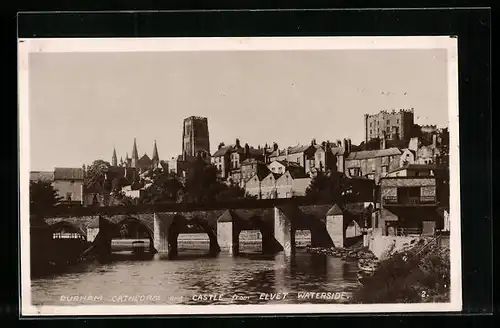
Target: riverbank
367	261
419	273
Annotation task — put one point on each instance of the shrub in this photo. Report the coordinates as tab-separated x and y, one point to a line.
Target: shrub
409	276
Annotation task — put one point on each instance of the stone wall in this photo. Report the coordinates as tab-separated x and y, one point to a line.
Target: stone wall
379	245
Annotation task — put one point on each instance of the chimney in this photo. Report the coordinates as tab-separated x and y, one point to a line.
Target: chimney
346	149
237	142
275	146
247	149
349	144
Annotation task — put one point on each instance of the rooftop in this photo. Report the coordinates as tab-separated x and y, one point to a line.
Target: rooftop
66	173
41	175
365	154
415	167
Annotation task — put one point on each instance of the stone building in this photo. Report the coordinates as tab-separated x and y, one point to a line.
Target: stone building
249	167
395	124
235	163
293	183
280	167
180	165
68	182
253	185
409	200
221	159
195	137
372	164
300	154
268	186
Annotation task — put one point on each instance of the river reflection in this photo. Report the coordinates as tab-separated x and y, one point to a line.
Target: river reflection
187	280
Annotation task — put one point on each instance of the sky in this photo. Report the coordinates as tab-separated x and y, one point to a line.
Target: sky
81	105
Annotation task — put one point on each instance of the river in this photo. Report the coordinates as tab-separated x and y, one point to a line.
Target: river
195	278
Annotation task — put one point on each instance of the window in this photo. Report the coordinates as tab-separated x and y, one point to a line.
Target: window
388	129
69	196
388	122
397	121
370	132
408	195
384	169
298	160
370	124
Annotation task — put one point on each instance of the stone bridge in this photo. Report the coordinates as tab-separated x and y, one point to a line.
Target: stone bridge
277	224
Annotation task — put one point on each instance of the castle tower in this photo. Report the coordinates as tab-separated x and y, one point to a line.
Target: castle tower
195	138
135	155
156	158
114	159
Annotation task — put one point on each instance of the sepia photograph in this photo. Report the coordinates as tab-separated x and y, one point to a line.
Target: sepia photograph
239	175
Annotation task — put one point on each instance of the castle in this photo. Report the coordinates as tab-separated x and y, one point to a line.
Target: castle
395	125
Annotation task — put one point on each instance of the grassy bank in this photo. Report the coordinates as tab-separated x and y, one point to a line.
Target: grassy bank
418	274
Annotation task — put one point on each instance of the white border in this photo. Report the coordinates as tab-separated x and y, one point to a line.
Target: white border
26	46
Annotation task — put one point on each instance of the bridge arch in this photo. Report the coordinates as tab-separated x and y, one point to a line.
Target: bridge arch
67	230
69	239
182	224
133	228
256	222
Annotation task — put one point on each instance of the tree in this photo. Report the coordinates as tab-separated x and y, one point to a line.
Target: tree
95	174
202	186
201	183
119	198
330	187
164	188
43	197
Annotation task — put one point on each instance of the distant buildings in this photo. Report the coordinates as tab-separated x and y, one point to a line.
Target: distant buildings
389	151
68	183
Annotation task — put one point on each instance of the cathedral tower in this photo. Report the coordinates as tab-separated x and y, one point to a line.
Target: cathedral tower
195	137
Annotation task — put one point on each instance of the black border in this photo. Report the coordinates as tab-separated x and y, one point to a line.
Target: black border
472	26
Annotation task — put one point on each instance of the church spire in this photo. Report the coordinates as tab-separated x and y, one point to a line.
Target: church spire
135	155
114	159
156	158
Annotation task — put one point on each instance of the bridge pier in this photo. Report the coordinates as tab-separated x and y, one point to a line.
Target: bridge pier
284	233
335	228
227	237
161	236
